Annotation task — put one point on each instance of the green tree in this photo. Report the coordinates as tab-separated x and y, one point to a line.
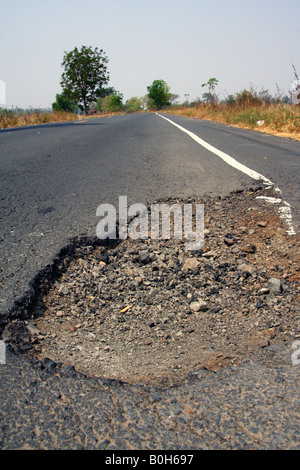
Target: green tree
64	103
133	105
85	73
100	104
211	96
159	94
103	92
111	103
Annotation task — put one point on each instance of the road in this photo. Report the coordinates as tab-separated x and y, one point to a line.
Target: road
53	178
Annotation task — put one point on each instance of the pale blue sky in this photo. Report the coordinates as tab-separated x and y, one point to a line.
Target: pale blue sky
182	42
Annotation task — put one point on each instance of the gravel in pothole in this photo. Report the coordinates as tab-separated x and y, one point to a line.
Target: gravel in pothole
149	311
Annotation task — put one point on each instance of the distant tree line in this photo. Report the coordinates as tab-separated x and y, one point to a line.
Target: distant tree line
83	83
84	89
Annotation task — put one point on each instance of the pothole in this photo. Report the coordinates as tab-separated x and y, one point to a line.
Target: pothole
150	311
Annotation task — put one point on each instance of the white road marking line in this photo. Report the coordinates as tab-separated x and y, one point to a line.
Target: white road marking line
285	212
271	200
224	156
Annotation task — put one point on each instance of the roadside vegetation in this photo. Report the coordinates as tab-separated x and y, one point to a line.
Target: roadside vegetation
252	109
280	119
247	109
22	117
85	94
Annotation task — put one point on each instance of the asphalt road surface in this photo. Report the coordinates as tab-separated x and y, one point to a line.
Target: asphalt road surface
53	178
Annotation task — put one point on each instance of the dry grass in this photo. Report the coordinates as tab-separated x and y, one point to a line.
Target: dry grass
19	118
279	119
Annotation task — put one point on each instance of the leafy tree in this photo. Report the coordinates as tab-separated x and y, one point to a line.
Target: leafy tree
159	93
110	103
100	104
64	103
212	83
133	105
103	92
85	73
115	101
210	96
